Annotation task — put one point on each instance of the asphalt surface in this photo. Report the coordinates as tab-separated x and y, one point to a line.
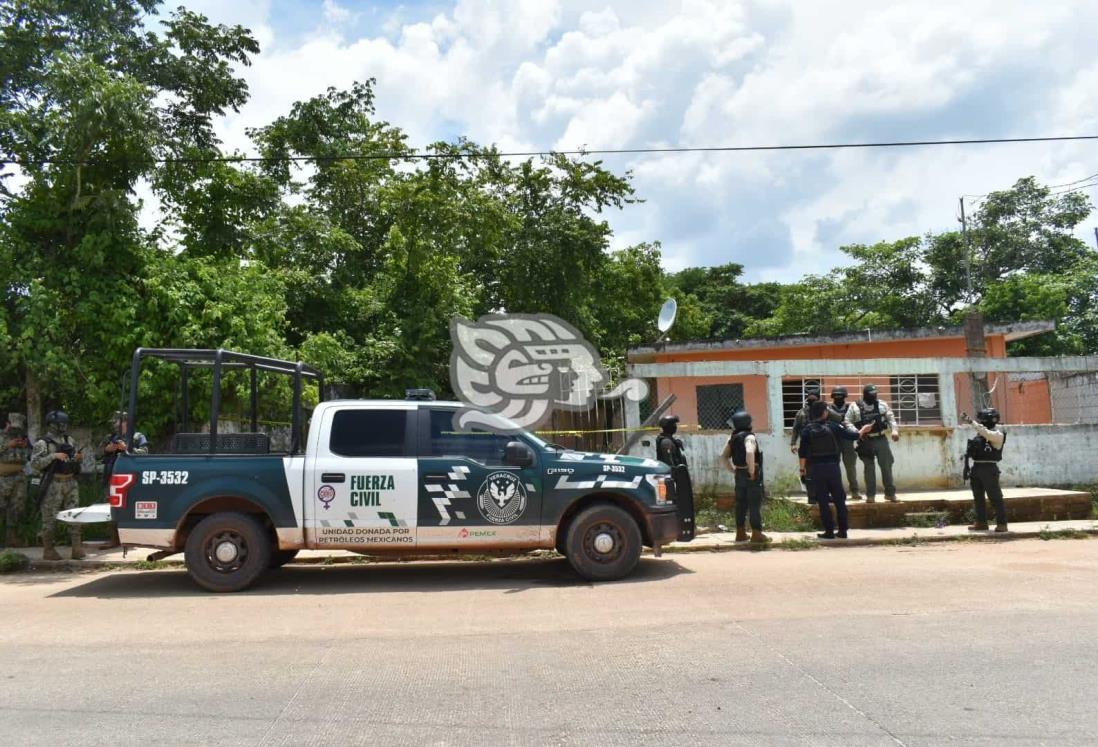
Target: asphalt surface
981	643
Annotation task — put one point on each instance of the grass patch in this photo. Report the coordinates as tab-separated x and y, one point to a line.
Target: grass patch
1061	534
797	544
783	515
11	561
927	519
153	565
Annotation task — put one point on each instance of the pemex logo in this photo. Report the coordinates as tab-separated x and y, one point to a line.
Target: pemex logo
522	366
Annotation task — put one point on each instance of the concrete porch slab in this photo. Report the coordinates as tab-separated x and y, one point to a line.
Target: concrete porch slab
1022	504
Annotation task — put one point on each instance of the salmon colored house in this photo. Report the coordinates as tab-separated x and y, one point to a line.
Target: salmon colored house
705	402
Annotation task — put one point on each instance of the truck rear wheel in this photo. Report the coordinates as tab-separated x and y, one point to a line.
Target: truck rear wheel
227	552
603	543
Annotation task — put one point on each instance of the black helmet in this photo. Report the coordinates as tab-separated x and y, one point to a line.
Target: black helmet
988	416
741	420
57	417
869	389
669	423
839	392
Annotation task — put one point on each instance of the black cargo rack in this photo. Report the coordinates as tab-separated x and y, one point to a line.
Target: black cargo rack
220	360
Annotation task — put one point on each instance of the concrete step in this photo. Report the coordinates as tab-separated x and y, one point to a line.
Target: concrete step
1022	504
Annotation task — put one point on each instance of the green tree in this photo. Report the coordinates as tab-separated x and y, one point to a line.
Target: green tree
88	99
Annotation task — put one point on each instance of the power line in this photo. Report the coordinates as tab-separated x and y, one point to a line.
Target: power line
411	156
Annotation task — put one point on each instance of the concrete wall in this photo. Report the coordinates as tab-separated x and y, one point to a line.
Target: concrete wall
926	458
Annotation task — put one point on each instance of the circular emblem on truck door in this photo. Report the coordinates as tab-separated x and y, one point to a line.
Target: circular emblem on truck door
501	498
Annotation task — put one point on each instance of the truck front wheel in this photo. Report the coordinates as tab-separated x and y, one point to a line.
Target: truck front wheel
603	543
227	552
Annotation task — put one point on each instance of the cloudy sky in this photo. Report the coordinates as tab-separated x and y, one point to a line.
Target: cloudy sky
538	74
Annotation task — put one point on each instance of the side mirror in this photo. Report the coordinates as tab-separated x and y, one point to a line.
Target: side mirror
517	454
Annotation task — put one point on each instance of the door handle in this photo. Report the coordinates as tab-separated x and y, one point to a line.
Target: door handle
333	477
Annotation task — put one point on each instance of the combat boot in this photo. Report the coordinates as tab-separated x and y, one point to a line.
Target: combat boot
78	551
113	539
48	553
741	534
757	537
1000	528
978	527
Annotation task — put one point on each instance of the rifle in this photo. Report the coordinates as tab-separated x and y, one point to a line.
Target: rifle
967	472
43	487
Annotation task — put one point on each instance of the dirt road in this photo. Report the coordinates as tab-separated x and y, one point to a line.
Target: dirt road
988	643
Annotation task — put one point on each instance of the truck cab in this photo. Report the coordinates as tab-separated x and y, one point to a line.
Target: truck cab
390	477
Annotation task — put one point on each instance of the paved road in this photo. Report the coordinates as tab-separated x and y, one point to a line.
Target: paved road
978	643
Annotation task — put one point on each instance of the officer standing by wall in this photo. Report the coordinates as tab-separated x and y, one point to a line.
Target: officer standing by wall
820	452
837	414
871	411
986	451
14	452
110	449
669	450
57	459
800	420
744	458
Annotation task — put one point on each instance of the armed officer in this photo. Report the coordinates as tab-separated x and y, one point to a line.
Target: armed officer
743	457
800	420
14	452
820	453
669	450
836	412
870	410
110	449
57	460
986	451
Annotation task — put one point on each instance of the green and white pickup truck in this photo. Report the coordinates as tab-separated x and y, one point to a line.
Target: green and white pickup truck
389	477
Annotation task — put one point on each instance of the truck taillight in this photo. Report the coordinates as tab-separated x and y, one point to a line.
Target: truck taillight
661	491
120	485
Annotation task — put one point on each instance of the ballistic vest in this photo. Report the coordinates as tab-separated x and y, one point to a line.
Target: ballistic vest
837	414
981	450
739	451
871	414
821	441
674	453
71	467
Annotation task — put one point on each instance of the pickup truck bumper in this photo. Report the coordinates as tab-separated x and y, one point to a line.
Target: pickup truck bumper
663	526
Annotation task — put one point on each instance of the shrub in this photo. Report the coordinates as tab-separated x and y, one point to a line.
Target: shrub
10	561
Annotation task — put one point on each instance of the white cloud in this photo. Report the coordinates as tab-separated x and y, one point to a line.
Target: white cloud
631	74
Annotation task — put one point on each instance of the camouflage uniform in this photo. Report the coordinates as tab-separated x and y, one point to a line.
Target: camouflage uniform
63	491
13	479
108	455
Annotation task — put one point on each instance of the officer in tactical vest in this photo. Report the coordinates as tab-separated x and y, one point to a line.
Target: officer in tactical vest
57	460
837	414
820	452
14	452
986	451
743	457
108	452
871	411
800	420
669	450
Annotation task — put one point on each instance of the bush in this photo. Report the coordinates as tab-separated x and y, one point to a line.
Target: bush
11	561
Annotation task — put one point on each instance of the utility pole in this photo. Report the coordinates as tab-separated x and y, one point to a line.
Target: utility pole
968	249
975	342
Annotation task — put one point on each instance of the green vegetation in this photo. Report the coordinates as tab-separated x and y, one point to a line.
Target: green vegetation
358	261
1052	534
11	561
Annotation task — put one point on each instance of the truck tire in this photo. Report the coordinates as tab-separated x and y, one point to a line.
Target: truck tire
603	543
227	552
280	558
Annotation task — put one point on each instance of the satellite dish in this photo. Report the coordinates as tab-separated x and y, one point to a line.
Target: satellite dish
667	314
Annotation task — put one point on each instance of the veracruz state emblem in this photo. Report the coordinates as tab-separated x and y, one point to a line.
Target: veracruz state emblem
501	498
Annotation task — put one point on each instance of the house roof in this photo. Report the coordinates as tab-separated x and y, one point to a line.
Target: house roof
1011	332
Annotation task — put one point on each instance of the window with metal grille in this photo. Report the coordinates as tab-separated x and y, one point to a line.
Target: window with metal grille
914	398
716	403
794	392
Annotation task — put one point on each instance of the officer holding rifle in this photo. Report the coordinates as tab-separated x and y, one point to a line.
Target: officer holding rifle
57	460
985	451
